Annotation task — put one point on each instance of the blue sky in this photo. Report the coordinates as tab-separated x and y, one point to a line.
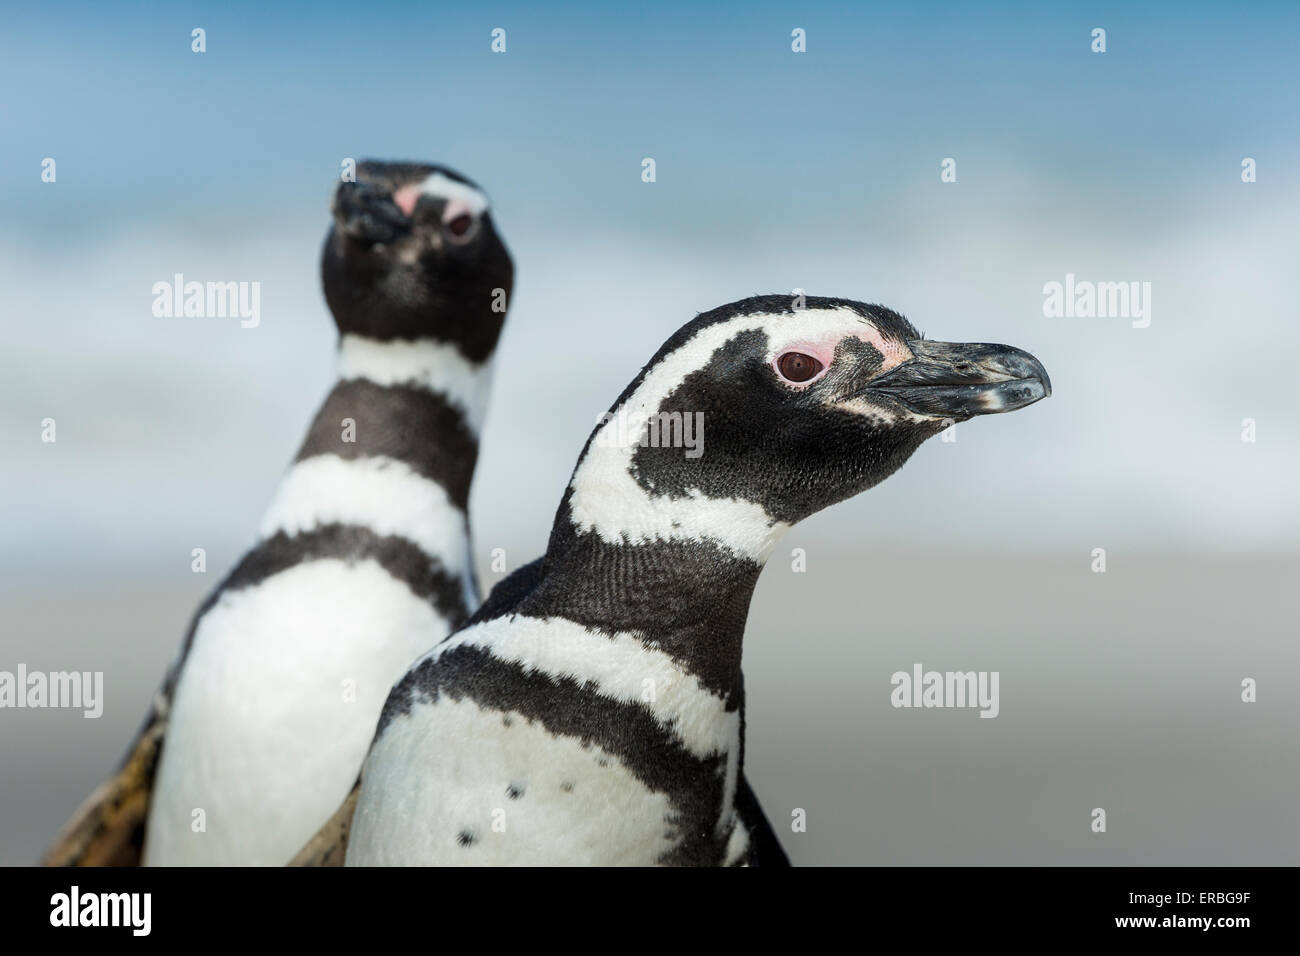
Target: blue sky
140	125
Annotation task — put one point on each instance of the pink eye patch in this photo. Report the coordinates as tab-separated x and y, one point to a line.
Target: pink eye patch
406	198
823	353
455	209
823	350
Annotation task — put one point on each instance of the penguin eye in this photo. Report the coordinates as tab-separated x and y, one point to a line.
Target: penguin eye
798	367
458	228
458	221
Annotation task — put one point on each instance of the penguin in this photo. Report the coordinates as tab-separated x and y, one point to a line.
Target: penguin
592	710
362	561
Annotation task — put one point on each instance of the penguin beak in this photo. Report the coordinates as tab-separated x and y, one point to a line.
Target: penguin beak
961	380
368	213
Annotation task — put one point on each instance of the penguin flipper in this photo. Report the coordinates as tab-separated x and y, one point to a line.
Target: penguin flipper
329	847
108	829
764	847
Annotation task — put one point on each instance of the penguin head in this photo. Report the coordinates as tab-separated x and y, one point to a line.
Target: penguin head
759	413
413	253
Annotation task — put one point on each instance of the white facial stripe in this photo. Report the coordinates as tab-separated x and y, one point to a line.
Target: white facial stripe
607	498
382	494
880	415
443	187
622	668
423	363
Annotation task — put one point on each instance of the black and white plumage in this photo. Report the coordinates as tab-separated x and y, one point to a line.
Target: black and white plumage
363	559
592	711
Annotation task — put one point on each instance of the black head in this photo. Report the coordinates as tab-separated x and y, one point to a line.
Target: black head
413	253
757	414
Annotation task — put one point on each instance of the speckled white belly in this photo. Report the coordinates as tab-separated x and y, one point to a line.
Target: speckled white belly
454	784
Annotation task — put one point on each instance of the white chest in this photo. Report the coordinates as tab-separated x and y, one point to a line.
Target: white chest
275	708
513	795
457	781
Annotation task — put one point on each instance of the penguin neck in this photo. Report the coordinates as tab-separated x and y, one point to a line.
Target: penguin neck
424	363
411	408
688	598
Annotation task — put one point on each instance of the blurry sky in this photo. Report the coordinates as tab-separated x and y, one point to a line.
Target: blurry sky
774	170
